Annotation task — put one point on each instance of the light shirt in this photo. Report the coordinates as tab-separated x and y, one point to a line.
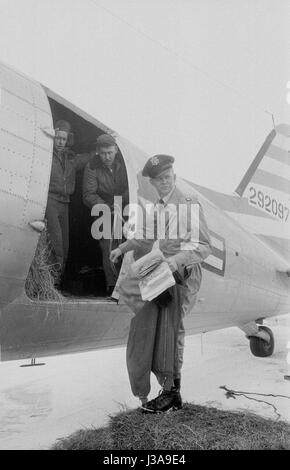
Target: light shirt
161	209
166	198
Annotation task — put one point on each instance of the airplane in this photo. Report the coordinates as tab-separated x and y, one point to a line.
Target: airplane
245	278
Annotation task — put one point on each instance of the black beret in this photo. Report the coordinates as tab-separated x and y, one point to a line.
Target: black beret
157	164
105	140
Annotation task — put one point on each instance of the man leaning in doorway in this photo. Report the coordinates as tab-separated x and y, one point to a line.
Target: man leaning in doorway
105	177
156	336
65	163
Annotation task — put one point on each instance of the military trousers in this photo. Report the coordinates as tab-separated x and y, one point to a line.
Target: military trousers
57	215
155	344
110	272
156	336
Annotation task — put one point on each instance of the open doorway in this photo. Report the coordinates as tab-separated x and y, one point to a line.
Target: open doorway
84	274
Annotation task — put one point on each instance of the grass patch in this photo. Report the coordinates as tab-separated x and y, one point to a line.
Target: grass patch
192	428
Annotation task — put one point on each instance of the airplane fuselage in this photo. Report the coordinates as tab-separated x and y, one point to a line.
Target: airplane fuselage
243	279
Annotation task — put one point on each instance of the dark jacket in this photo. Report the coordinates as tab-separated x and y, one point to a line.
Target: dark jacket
100	185
63	174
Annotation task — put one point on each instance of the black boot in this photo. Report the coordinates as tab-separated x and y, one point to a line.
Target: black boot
177	383
166	400
176	390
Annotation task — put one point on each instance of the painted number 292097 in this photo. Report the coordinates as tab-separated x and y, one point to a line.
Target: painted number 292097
269	204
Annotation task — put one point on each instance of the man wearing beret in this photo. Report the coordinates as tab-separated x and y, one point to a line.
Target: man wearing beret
65	163
105	177
156	336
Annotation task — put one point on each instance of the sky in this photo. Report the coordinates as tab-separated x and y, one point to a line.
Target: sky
199	79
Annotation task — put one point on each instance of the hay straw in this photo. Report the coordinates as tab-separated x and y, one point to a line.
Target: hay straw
43	274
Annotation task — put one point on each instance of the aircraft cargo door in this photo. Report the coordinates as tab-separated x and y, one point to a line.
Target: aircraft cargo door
25	165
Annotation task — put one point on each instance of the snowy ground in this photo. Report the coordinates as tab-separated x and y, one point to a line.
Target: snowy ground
41	404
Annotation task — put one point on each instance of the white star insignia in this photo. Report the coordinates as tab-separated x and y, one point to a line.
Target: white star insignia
154	161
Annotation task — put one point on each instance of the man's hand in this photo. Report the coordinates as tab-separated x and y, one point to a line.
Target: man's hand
115	254
172	264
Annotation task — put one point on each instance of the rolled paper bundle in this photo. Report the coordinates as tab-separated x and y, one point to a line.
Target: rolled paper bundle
146	264
156	282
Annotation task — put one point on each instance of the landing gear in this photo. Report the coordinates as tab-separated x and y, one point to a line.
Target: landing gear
261	338
259	345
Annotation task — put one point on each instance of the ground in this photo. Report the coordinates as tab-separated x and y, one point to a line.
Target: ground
39	405
194	427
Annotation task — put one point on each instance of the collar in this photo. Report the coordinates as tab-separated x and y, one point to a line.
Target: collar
64	153
167	197
109	168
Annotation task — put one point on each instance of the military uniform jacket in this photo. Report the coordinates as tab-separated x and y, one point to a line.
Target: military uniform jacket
186	239
155	341
63	174
188	250
100	184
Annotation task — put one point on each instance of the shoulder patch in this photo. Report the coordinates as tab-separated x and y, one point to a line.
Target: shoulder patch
190	200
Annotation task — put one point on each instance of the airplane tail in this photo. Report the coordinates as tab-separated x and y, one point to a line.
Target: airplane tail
266	187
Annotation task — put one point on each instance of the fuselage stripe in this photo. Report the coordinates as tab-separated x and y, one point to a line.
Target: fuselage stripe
216	261
279	154
271	181
275	168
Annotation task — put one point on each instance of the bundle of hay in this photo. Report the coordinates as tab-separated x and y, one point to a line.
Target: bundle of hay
43	274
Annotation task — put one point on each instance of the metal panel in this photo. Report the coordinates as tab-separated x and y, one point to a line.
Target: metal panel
17	106
15	83
11	211
13	162
25	163
18	152
33	211
43	120
14	124
44	328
